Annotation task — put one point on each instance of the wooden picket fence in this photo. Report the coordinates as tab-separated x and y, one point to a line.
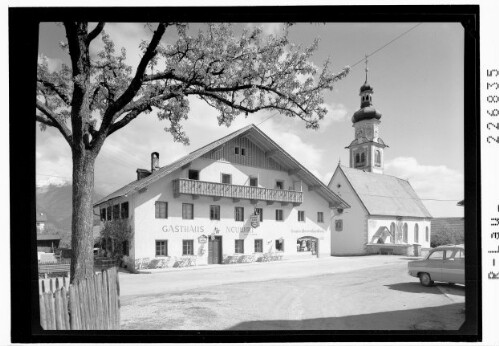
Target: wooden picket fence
89	304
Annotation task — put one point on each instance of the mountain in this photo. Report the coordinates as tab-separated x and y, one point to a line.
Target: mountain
56	202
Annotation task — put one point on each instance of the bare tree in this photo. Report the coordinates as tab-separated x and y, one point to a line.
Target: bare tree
95	97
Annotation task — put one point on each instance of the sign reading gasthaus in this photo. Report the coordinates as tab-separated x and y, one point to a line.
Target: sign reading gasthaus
242	193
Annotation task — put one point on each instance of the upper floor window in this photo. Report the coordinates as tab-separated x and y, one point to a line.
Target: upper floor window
193	174
239	213
279	185
279	215
102	214
214	212
320	217
161	210
259	211
253	181
124	210
226	178
187	211
301	215
116	212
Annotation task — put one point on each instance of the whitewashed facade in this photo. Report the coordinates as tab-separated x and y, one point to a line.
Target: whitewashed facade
201	204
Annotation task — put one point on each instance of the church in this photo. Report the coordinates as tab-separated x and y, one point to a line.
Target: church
386	214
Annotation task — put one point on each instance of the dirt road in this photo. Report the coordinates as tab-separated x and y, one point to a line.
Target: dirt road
347	293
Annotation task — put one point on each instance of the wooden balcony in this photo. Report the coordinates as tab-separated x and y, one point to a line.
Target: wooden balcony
198	188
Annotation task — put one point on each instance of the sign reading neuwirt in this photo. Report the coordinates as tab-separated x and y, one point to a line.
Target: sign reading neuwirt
204	229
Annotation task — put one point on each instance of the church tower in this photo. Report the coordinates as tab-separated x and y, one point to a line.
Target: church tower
366	150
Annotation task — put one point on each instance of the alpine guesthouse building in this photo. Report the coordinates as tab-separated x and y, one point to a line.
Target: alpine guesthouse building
240	195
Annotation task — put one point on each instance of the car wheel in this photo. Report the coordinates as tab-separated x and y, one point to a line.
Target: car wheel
425	279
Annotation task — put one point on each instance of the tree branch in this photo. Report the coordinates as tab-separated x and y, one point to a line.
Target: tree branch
56	89
61	126
137	80
94	33
45	121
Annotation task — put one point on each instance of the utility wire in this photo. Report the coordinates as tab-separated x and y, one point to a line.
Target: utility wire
364	58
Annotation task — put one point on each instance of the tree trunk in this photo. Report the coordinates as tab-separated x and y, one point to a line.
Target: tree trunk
82	239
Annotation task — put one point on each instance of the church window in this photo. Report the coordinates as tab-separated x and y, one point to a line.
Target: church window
363	157
405	237
392	231
416	233
357	158
338	225
377	158
427	234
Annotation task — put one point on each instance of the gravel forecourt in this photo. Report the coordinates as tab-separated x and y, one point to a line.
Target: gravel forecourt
333	293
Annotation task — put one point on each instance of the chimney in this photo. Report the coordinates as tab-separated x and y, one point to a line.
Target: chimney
154	162
142	173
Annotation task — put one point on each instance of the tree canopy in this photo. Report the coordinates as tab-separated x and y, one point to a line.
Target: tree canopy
233	74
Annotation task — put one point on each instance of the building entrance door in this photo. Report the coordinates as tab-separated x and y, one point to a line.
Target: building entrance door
215	250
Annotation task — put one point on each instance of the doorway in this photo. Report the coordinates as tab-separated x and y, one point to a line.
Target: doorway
215	250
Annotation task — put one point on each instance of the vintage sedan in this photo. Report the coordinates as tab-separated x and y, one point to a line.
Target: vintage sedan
444	263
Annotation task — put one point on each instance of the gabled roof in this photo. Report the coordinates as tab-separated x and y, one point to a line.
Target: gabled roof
253	134
383	194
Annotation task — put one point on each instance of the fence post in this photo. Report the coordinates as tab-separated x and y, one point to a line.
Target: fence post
43	313
65	311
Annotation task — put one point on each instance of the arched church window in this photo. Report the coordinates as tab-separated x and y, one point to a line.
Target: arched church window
405	233
362	157
357	158
377	157
427	234
416	233
392	232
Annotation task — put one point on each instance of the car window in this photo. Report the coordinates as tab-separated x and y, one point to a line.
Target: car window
450	254
437	255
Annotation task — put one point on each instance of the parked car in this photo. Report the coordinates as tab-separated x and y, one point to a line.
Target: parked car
444	263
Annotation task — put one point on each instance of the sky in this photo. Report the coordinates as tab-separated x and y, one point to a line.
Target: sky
418	87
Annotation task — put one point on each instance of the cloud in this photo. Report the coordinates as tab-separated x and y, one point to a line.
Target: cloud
431	183
268	28
336	112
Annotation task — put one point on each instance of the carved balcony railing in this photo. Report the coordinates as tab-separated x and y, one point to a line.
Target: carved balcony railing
206	188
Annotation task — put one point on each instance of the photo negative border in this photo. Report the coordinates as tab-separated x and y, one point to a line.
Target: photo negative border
23	52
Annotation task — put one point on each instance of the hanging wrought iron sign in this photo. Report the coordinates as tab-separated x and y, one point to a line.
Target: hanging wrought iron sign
255	220
202	239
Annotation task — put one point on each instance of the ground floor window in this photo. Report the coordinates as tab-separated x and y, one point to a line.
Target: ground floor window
258	245
126	248
301	215
405	233
103	214
239	246
161	247
427	235
279	244
188	247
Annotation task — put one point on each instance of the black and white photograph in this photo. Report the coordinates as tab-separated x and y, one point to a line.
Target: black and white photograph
232	176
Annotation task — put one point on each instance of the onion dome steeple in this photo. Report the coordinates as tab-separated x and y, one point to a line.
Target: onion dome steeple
366	111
